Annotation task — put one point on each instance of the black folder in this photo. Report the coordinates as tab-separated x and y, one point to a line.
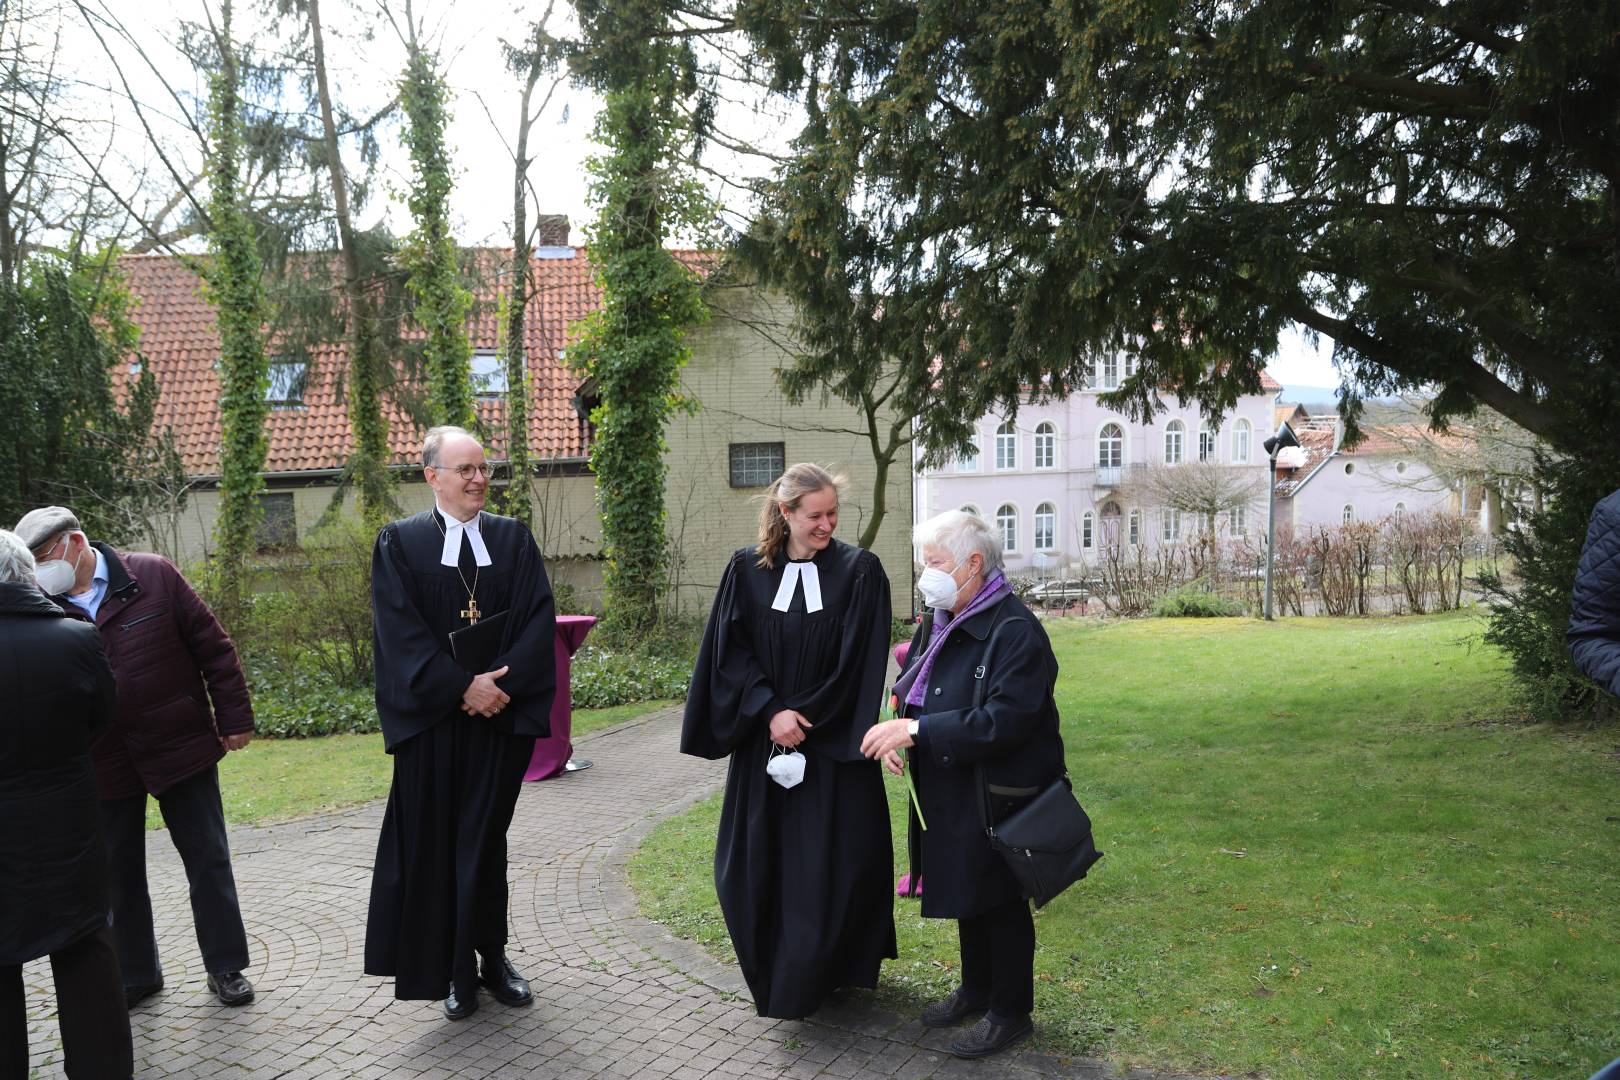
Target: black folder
475	647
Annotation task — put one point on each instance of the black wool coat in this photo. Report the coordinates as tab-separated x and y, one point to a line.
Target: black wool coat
1013	738
58	693
1594	619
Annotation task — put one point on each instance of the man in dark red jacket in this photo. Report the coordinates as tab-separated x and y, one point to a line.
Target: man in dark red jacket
182	703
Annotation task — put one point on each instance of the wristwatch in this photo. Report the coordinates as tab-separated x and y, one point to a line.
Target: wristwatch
912	726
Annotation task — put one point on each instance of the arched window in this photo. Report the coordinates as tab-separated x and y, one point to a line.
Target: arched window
1007	446
1110	447
1206	442
971	509
1045	527
1349	514
1237	520
1400	513
1172	526
1175	440
1136	528
1045	444
1088	530
1007	524
1242	436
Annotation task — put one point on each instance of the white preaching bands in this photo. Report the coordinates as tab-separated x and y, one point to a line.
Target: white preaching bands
451	555
792	574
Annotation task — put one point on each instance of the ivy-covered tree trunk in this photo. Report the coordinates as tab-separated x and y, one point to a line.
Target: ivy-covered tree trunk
368	455
236	290
429	253
635	345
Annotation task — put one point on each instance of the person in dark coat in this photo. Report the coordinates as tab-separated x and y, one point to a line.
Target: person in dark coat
789	677
461	732
1594	619
182	704
977	630
55	902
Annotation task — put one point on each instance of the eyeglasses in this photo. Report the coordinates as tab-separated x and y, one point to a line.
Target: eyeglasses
466	472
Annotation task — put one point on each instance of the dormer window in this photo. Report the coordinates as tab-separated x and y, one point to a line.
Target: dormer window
288	380
488	374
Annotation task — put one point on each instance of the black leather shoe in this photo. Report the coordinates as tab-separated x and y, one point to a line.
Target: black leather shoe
504	983
231	987
991	1037
134	995
953	1010
457	1009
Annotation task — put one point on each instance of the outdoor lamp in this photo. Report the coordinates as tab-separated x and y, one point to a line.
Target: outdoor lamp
1282	440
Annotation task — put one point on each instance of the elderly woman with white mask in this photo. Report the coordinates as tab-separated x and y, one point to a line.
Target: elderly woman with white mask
789	677
977	633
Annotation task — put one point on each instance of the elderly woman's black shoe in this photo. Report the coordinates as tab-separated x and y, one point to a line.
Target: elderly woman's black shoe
992	1036
953	1010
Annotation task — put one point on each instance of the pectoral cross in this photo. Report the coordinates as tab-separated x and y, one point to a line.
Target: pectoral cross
471	612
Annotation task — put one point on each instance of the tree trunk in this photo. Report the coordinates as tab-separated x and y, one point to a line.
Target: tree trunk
519	494
368	460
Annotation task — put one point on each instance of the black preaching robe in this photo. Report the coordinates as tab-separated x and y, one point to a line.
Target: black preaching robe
803	874
438	891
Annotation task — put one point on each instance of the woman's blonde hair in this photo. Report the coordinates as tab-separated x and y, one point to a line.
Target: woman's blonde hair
793	485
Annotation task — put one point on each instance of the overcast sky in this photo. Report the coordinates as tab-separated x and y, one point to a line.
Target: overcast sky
468	34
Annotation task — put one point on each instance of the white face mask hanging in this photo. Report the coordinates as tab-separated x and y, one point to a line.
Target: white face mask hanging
785	766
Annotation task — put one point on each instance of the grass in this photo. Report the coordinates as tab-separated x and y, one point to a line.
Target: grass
1329	854
276	779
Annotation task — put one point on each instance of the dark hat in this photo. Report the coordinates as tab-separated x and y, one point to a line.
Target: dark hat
38	526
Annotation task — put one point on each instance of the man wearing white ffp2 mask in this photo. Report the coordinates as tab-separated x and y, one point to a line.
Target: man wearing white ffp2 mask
55	574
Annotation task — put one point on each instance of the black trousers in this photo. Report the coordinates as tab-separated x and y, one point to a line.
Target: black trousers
89	1009
998	959
196	820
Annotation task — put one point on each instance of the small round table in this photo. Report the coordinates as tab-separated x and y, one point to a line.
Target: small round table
551	754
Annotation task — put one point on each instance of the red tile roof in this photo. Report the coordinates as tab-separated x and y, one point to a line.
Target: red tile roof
180	342
1316	445
1409	438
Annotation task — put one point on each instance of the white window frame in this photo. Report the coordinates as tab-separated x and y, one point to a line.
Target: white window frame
1242	441
1175	442
1133	528
1046	437
1170	528
488	373
1006	447
1048	511
969	508
1237	520
1103	439
1399	513
1108	371
1002	522
1209	440
1088	530
1347	516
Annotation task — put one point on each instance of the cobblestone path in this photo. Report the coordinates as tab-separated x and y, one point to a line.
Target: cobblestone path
616	996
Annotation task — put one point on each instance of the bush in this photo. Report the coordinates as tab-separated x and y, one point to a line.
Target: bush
1193	601
605	677
313	607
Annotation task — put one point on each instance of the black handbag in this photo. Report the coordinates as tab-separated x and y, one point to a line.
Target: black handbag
1047	842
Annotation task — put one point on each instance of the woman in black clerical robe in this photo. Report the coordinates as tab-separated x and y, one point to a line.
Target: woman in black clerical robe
794	656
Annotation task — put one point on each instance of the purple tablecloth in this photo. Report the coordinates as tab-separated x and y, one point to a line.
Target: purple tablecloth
551	754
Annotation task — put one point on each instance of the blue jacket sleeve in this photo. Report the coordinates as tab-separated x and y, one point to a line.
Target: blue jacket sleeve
1594	621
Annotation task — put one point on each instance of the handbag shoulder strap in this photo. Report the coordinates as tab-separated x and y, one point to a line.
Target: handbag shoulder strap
980	682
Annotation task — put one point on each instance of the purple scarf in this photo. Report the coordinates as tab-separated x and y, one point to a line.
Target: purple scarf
914	683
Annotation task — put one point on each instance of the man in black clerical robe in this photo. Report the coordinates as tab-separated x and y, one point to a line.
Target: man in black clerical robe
460	740
804	874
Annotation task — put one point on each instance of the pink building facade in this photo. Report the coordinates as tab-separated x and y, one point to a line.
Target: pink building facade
1056	481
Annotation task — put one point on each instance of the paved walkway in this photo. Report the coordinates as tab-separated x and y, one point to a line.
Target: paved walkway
616	996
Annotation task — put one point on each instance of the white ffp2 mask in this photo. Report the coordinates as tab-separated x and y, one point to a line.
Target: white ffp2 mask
938	588
786	768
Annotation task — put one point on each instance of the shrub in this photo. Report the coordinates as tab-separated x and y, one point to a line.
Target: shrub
1193	601
606	677
298	702
312	609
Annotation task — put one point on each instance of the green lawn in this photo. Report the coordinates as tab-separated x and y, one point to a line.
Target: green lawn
1329	854
274	779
